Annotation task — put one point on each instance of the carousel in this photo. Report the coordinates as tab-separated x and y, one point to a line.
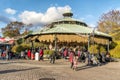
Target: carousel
69	32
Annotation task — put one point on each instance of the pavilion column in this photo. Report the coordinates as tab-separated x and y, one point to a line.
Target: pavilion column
32	45
108	46
88	41
55	38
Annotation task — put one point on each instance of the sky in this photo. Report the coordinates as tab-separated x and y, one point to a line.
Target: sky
41	12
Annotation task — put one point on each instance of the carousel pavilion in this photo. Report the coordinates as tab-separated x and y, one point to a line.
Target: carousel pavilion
69	32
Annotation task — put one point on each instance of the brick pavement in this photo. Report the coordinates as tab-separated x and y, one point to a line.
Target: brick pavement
34	70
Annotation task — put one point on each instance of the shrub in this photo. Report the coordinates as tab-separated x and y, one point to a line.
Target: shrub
46	52
25	46
51	51
116	51
113	44
19	48
102	49
14	48
93	49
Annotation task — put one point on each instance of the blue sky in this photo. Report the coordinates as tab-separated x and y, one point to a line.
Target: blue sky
45	11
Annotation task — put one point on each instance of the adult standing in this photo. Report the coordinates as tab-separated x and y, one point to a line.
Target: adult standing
0	53
65	53
71	57
79	54
41	54
7	54
22	55
29	54
37	57
52	57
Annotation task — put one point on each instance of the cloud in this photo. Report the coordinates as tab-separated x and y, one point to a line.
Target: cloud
91	25
4	19
10	11
52	14
13	19
117	8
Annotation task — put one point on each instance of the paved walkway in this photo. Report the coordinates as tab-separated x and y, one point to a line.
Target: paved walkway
34	70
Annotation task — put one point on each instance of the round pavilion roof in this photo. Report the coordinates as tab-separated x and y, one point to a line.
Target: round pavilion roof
69	25
69	20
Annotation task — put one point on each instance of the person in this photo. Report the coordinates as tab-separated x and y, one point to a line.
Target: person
71	58
29	54
7	54
65	53
22	55
4	55
95	61
75	63
37	57
108	57
79	54
88	58
52	57
41	54
103	57
0	53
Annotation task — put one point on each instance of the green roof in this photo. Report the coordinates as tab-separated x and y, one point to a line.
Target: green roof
70	28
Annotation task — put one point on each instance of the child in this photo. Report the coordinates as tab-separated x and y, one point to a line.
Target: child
75	63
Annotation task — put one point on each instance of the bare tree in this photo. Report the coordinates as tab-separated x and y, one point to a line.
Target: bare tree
109	22
14	29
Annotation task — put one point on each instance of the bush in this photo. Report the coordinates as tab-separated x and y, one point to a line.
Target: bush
48	52
102	49
113	44
25	46
14	48
93	49
19	48
116	51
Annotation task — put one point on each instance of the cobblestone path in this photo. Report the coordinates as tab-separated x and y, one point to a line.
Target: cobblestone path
35	70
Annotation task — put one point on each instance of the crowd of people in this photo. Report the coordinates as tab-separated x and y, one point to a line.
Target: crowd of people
82	55
6	54
74	55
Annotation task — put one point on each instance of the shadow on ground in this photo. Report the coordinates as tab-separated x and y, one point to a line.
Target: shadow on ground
15	70
89	66
10	62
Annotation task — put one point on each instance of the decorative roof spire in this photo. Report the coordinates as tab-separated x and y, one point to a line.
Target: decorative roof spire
68	14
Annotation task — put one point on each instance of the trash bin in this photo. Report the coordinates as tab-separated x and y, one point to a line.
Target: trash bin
37	56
